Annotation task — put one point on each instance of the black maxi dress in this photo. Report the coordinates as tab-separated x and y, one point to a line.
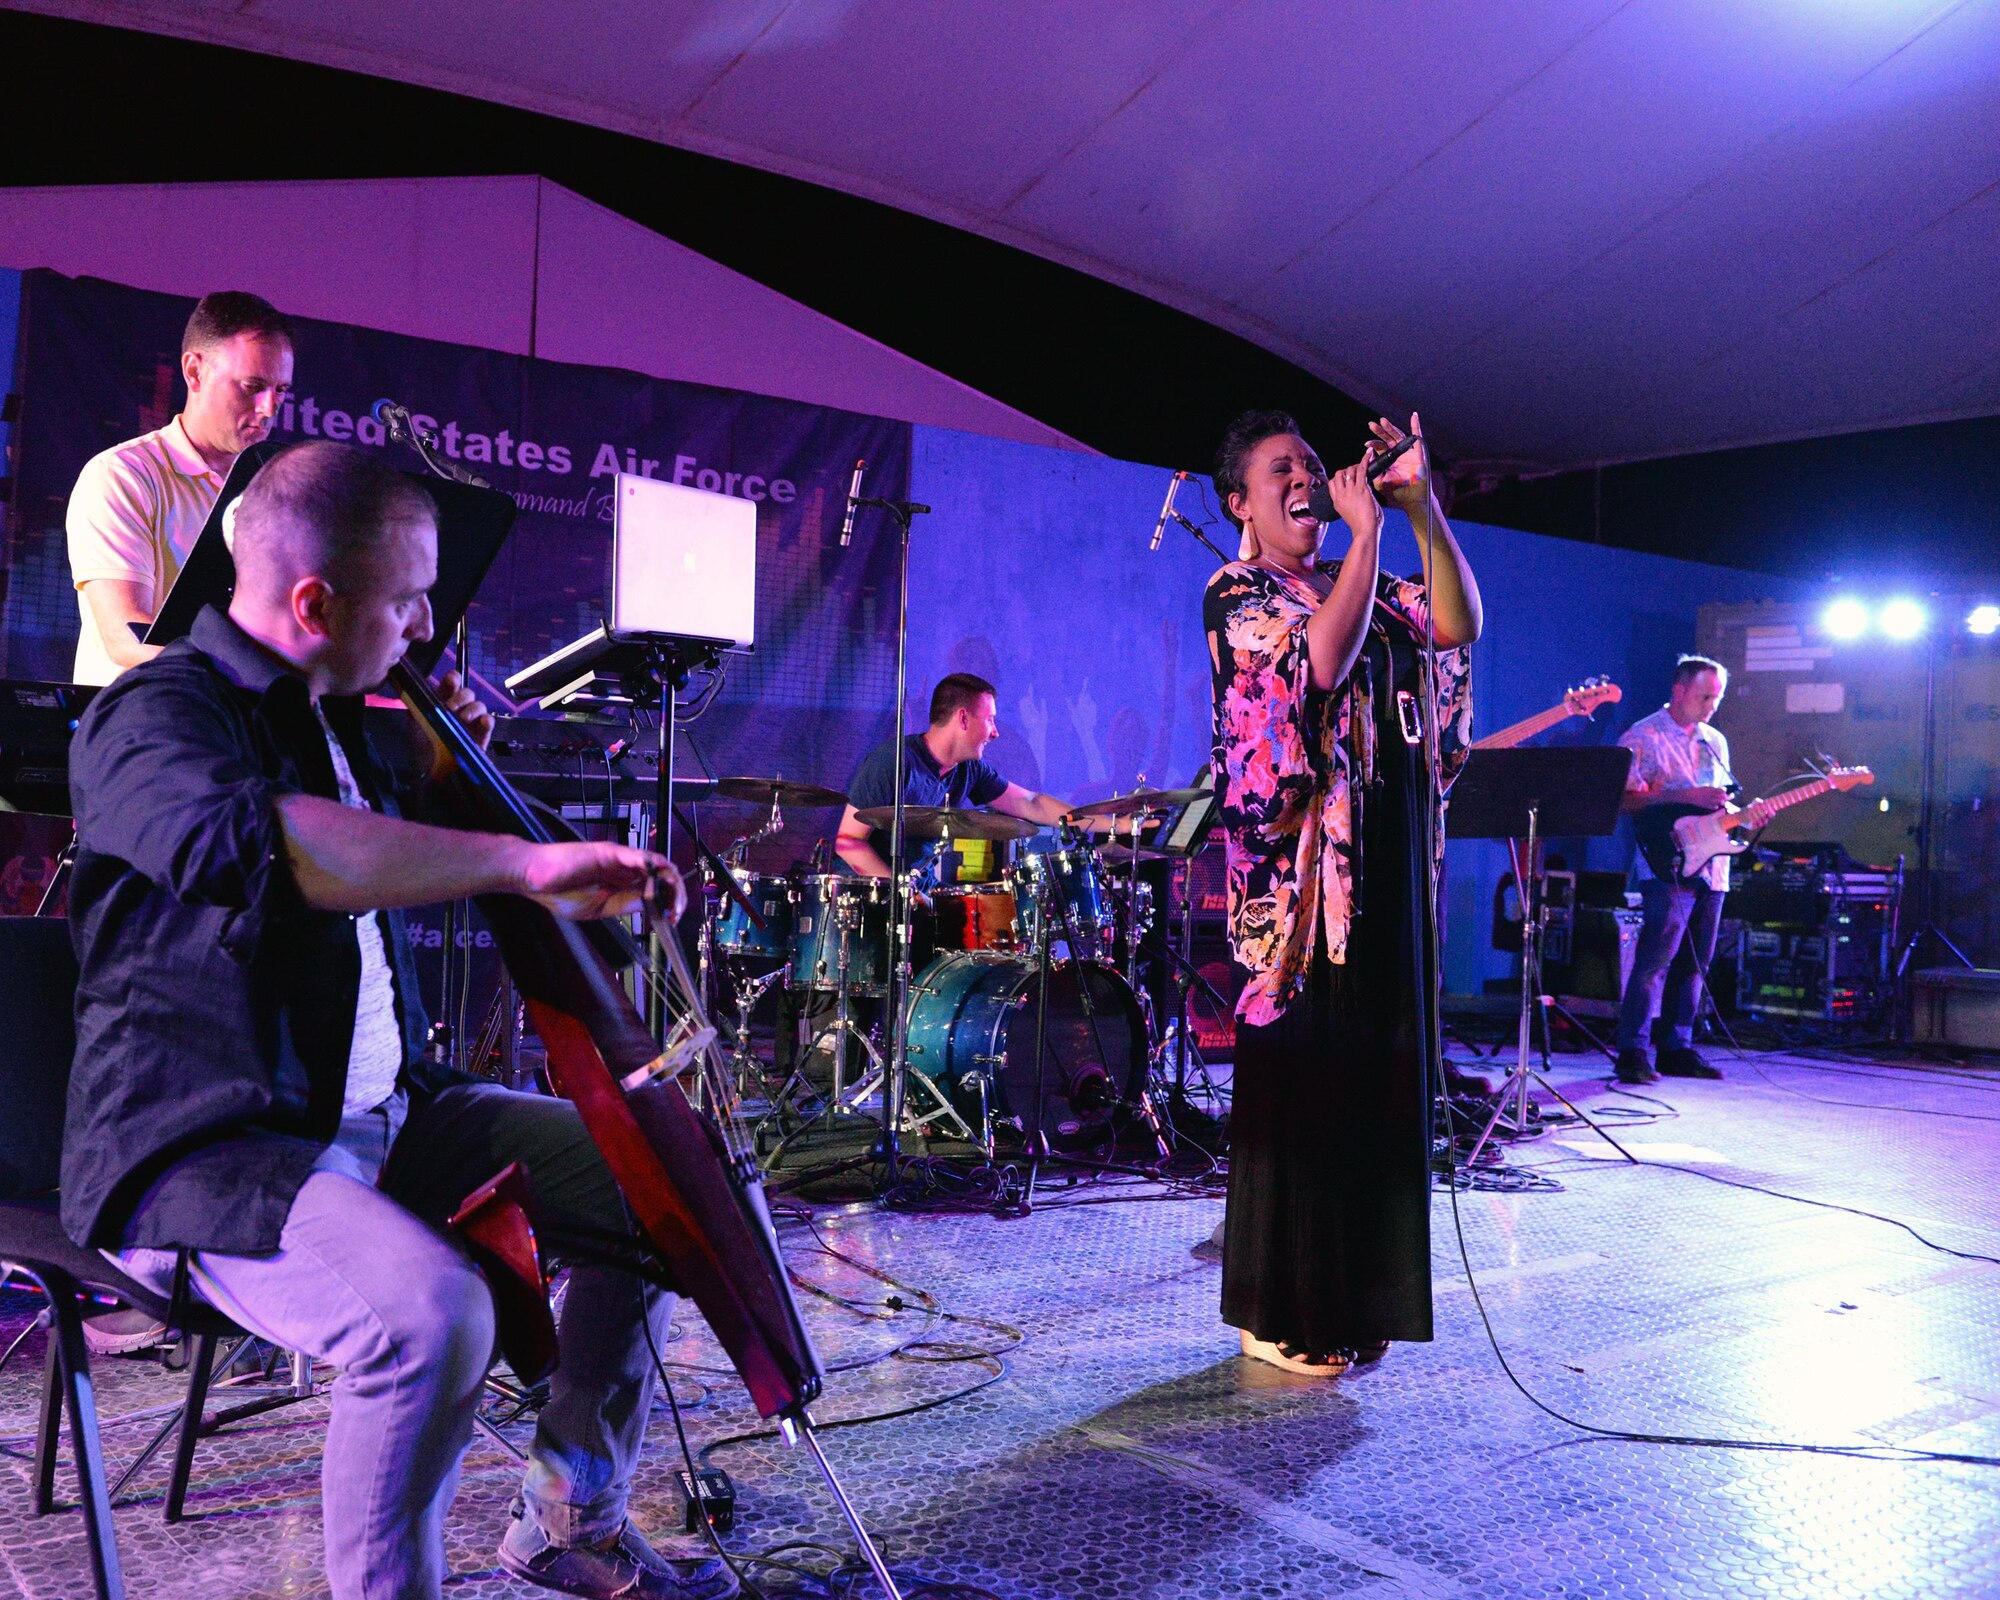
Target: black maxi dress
1327	1232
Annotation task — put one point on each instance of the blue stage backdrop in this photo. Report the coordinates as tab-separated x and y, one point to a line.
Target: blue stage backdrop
1032	569
99	363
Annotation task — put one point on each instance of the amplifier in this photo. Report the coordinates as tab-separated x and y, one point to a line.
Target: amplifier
1603	944
1956	1005
36	722
1824	976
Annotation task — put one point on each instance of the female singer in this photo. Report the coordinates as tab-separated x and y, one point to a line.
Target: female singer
1334	737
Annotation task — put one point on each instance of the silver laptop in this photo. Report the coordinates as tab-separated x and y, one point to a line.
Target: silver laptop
683	563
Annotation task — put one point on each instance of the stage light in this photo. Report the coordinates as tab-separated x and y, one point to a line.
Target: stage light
1903	619
1984	620
1845	618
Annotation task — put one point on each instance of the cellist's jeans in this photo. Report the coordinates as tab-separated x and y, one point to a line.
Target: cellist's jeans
367	1280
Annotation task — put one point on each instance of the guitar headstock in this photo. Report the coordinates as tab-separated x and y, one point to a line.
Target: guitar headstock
1587	696
1845	778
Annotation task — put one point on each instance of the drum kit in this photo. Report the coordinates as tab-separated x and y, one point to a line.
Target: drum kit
1024	1016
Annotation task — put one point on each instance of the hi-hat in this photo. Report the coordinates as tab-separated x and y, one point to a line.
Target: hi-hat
1125	805
778	791
938	822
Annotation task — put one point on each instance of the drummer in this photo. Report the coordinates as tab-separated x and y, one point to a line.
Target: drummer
942	768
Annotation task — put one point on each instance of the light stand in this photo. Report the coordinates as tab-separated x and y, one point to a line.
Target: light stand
1926	875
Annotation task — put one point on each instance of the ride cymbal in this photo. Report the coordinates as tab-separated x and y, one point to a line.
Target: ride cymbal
938	822
778	791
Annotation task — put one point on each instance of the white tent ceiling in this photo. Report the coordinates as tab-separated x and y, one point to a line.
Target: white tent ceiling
1570	230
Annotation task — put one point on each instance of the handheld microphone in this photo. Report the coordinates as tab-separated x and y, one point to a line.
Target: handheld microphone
1319	498
853	499
1166	509
1384	459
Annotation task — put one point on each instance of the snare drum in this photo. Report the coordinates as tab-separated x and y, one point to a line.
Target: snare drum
971	1024
1068	879
841	918
974	916
736	935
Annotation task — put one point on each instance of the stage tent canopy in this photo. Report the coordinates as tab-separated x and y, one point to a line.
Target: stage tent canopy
1575	231
514	264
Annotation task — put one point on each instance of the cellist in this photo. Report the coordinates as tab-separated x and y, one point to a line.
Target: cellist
251	1118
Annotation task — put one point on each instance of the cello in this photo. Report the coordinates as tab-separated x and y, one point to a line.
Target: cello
692	1185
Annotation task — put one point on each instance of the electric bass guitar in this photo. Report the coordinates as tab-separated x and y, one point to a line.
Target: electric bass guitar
1679	841
1581	701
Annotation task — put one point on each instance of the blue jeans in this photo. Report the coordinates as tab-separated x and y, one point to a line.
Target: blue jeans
367	1279
1676	944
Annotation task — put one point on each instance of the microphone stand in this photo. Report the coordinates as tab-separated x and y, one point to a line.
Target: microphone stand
905	512
1206	542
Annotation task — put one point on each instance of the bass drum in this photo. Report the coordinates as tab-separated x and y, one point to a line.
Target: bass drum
971	1023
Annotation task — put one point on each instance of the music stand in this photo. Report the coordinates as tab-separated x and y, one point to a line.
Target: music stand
1524	795
472	525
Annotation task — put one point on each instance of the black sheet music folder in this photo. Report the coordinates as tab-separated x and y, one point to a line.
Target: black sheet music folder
472	525
1576	793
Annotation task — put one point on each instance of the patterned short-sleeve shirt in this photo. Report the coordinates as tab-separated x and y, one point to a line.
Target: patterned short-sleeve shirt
1283	766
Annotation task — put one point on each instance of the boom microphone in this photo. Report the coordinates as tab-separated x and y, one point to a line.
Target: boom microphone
1166	510
395	419
853	499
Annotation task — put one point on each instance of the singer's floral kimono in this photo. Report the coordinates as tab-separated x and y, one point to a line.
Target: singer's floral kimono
1288	759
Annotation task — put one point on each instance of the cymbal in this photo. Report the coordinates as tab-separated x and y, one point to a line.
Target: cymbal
1124	805
936	822
778	791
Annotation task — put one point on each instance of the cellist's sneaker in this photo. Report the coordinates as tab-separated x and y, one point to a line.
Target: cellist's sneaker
627	1568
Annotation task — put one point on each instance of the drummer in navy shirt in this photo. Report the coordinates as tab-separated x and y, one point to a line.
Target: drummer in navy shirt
942	768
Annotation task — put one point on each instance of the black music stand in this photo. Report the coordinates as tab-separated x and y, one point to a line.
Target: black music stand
1527	795
472	525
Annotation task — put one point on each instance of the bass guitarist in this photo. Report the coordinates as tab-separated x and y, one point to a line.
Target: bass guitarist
1678	759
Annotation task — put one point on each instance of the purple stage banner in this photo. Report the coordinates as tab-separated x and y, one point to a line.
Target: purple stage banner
98	363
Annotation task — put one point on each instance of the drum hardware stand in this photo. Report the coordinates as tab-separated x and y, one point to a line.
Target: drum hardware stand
1147	1113
1186	977
1038	1150
905	512
744	1067
858	1095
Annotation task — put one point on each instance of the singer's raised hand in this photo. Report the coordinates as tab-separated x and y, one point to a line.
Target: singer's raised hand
1403	484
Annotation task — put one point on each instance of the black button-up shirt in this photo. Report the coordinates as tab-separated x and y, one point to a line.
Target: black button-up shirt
215	1009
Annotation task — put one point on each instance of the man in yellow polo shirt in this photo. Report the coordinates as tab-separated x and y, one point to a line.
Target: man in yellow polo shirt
138	508
134	515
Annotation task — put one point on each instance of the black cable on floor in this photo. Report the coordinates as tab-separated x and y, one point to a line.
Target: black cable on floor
1883	1453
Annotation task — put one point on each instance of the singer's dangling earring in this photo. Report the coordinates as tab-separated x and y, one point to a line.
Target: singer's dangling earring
1249	548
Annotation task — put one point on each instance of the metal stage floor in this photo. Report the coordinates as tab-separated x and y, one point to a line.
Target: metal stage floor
1129	1451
